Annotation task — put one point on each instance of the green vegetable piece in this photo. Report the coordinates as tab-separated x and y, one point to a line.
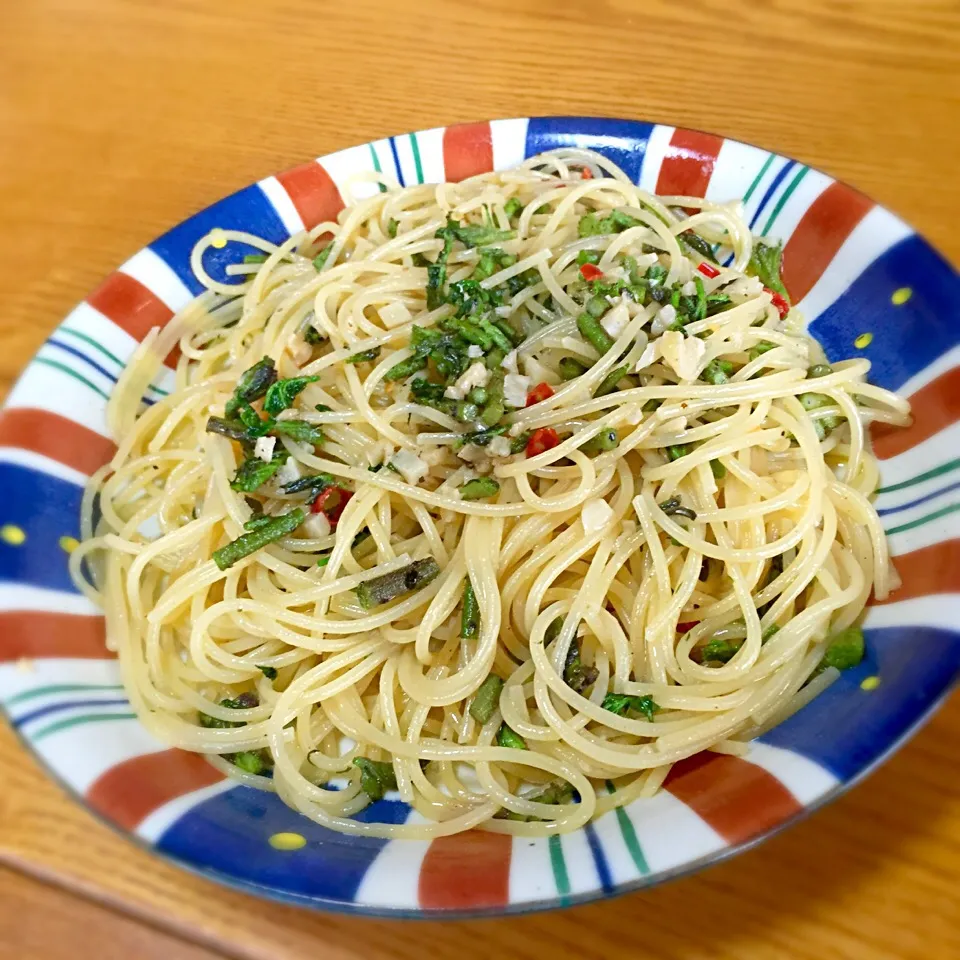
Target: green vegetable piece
314	484
845	649
478	235
486	699
819	370
364	356
250	761
269	672
470	617
701	309
255	258
556	793
576	674
553	631
254	472
376	777
811	401
570	368
392	227
251	542
597	306
609	383
243	702
480	437
479	489
677	450
718	470
719	651
255	523
252	385
623	703
478	395
604	440
519	442
281	394
766	262
387	587
299	430
513	208
508	738
652	405
673	507
594	334
320	260
467	412
312	335
255	425
233	429
322	408
589	256
696	242
494	409
760	348
717	371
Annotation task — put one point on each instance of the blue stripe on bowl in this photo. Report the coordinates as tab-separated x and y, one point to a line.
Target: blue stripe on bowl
248	210
46	509
230	833
846	728
622	141
906	338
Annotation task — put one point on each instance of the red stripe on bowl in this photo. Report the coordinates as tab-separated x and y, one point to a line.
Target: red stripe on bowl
466	870
313	193
467	150
819	235
934	407
688	164
55	437
37	634
129	792
925	572
738	799
132	307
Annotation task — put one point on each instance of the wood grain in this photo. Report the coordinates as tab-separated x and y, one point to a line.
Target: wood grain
120	117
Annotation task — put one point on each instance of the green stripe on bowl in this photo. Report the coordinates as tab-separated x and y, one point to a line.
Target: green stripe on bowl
59	688
920	477
79	721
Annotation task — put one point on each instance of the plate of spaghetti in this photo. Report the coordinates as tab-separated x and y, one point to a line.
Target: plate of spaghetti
489	518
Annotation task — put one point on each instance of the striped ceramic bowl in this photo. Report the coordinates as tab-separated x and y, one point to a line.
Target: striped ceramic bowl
868	285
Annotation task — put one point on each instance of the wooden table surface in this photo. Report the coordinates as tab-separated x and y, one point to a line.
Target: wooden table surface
120	117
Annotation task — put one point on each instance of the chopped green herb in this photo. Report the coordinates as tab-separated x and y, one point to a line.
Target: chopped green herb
760	348
652	405
616	221
392	227
255	258
477	235
696	242
480	438
845	649
513	208
673	507
320	260
252	385
718	470
553	631
717	371
387	587
470	615
479	488
312	335
364	356
251	542
701	309
604	440
589	256
570	368
677	450
609	383
519	443
593	333
623	703
719	651
820	370
556	793
577	674
314	484
508	738
269	672
299	430
243	702
766	262
467	412
322	408
233	429
254	472
282	393
478	395
376	777
486	699
250	761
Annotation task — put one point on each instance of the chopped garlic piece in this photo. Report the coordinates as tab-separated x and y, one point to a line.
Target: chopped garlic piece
595	515
300	351
648	356
689	289
685	354
316	526
474	352
395	314
509	362
476	375
499	447
263	448
410	466
615	320
664	319
287	473
515	389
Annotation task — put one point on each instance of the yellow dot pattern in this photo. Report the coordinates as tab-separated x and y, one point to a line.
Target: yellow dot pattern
287	841
870	683
901	296
864	340
68	544
11	534
218	239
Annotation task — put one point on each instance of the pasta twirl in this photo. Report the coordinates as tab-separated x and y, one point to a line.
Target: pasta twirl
505	495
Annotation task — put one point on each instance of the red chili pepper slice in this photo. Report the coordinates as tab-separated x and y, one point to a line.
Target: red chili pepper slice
541	440
542	391
331	503
684	627
590	272
779	301
586	174
708	270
